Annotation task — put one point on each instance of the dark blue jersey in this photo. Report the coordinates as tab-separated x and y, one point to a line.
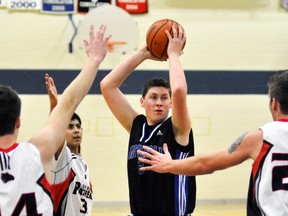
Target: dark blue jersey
151	193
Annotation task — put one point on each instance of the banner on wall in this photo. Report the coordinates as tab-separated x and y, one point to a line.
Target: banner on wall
58	6
133	6
22	5
53	6
83	6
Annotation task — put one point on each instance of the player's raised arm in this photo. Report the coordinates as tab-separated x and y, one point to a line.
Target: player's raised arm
110	88
51	136
53	99
180	115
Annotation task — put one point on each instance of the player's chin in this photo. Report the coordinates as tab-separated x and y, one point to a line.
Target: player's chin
76	142
160	118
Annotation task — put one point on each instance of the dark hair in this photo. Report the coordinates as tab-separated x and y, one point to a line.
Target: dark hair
76	117
10	108
278	89
155	82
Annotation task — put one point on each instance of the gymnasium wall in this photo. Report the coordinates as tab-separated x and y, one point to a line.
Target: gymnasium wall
234	37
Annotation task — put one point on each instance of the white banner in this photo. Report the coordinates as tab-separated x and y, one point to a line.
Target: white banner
58	6
23	4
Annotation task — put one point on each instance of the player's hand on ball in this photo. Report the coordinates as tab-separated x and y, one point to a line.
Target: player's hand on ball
177	41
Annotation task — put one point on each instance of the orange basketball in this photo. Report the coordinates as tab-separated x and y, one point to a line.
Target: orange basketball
156	38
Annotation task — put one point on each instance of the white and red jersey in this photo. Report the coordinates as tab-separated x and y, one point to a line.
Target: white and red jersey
268	191
24	189
71	186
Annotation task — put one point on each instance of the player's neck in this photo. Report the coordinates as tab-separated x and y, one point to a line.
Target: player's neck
7	141
73	150
277	114
282	117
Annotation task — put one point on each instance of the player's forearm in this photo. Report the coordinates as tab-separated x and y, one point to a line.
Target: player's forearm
119	74
177	76
180	167
191	166
80	86
181	118
53	104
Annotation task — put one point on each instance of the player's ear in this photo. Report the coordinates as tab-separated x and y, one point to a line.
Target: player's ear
142	101
274	104
18	123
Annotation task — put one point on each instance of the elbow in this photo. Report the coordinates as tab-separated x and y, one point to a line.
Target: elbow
179	91
204	167
103	85
107	84
209	171
203	170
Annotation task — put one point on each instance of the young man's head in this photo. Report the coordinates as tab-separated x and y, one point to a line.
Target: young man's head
74	134
156	99
10	108
155	82
278	90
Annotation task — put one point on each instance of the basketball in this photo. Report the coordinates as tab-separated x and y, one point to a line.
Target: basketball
156	38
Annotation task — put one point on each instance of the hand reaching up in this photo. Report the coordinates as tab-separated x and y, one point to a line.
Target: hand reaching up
52	91
98	44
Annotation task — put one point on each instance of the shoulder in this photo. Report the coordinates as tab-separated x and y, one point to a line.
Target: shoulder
252	143
139	119
28	148
26	152
267	125
253	137
275	125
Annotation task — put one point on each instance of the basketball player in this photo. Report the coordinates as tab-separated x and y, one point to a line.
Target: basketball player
25	167
267	146
70	175
151	193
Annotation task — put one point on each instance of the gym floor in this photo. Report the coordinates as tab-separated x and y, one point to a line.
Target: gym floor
202	209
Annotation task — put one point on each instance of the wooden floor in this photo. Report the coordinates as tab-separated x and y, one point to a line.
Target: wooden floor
202	209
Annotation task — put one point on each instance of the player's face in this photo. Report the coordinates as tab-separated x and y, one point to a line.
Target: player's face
157	104
73	135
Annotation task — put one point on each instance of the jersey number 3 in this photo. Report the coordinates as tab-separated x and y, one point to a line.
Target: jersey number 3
84	207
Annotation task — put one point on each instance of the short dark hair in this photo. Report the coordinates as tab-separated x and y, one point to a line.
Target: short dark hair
10	108
155	82
76	117
278	89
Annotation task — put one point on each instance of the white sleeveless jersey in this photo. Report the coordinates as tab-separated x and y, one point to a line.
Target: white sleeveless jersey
270	171
24	189
71	187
